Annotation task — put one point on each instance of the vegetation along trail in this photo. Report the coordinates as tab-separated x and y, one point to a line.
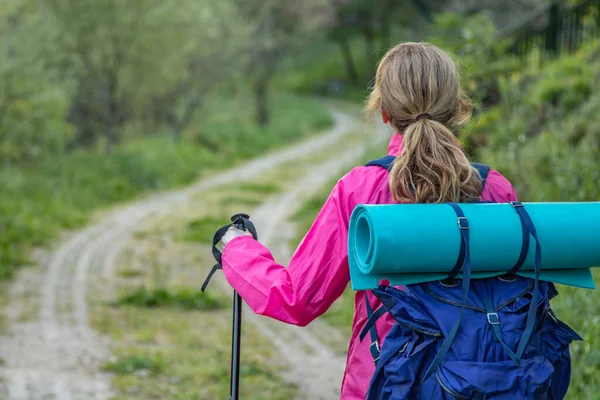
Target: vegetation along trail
51	352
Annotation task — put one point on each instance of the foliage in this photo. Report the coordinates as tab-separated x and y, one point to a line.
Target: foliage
77	74
544	137
472	40
273	29
32	107
123	54
61	192
322	67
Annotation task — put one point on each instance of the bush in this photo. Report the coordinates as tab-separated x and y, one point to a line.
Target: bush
544	134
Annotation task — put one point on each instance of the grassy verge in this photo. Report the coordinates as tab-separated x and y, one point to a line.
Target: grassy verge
39	201
166	353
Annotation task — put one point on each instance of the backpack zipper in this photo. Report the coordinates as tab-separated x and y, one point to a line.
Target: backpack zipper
447	390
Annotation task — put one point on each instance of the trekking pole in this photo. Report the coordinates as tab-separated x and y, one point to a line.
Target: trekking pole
234	386
242	222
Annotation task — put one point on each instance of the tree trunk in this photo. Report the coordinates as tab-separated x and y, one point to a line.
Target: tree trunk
348	61
370	53
262	101
114	116
385	33
424	9
110	136
552	31
182	123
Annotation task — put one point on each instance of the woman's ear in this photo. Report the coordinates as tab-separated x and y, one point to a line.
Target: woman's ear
385	116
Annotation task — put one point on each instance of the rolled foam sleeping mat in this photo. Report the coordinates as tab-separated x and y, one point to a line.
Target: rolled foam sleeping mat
416	243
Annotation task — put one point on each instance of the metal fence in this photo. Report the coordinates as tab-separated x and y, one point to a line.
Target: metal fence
554	29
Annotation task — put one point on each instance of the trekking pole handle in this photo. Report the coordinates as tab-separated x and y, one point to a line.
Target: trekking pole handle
237	218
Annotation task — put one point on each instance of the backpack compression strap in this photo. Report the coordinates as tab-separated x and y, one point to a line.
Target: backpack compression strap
492	316
387	162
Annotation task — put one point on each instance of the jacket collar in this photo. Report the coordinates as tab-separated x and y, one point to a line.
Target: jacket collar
396	144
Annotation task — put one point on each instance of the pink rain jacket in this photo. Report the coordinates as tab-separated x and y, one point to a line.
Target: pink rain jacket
318	272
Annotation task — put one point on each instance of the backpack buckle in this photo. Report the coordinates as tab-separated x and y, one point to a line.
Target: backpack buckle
493	318
463	223
375	352
449	283
516	204
508	278
376	344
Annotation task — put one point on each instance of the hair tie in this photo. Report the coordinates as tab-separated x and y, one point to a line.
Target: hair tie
423	116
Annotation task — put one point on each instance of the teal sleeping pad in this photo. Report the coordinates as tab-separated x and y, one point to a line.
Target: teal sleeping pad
416	243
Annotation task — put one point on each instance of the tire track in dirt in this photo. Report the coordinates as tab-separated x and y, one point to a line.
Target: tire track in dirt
54	354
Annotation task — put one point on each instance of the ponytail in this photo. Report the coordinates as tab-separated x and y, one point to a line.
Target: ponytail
432	168
413	79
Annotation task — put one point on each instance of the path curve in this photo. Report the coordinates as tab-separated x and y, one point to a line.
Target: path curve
56	355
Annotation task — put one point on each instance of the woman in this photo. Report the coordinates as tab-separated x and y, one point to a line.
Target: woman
417	92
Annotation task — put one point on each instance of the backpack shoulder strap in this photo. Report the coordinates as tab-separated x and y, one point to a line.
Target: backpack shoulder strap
483	170
387	162
383	162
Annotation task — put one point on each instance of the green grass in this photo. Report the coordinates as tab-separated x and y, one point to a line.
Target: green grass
245	196
135	363
193	360
183	298
129	273
202	230
40	200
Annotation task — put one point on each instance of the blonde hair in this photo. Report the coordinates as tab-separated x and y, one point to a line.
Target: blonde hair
418	86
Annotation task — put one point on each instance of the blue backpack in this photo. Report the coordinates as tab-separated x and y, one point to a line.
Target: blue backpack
494	338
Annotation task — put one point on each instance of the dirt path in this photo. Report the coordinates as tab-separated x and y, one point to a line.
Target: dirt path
50	351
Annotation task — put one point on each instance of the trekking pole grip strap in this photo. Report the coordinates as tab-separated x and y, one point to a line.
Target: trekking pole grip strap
240	221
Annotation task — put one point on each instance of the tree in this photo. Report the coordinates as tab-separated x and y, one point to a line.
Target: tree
371	20
340	30
274	29
206	58
32	106
98	41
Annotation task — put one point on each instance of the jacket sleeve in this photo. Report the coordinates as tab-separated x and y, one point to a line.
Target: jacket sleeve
317	274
